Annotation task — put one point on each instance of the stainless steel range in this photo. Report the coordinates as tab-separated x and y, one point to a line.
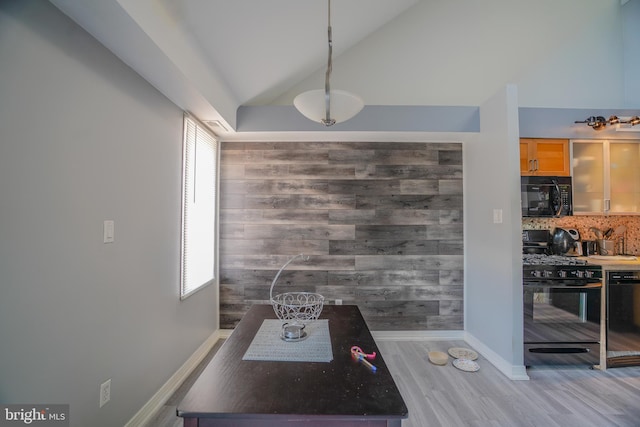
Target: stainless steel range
562	306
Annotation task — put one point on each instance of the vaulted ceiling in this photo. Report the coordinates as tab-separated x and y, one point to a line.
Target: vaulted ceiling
227	61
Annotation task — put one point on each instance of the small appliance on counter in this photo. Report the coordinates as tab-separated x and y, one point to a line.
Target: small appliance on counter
536	242
566	242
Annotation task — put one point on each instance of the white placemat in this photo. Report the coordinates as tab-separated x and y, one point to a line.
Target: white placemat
268	346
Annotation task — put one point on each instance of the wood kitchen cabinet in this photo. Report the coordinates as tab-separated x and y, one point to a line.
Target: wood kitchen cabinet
544	157
606	177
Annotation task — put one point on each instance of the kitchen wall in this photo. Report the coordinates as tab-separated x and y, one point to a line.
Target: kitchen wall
493	264
381	222
583	222
83	138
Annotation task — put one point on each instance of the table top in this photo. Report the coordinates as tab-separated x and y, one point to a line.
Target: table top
230	387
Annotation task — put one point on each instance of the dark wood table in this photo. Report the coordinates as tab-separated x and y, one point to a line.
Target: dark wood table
232	392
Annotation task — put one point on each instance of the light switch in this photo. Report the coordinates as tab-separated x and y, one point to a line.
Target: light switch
108	229
497	216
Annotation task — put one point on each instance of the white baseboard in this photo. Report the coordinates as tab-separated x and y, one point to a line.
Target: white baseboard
417	335
513	372
225	333
149	410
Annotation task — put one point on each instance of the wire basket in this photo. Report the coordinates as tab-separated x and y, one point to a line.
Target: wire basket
296	307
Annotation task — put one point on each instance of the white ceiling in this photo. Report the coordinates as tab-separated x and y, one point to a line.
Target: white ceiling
263	47
211	57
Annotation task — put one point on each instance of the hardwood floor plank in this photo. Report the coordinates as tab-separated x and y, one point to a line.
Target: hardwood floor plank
443	396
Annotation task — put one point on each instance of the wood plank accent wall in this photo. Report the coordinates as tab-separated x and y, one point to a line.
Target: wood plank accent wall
381	222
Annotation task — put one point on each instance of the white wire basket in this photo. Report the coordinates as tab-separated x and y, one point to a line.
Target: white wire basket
296	307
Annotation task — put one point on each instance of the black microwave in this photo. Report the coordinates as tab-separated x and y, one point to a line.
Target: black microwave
546	196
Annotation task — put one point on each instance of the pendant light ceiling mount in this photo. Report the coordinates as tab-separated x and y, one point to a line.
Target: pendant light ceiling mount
328	106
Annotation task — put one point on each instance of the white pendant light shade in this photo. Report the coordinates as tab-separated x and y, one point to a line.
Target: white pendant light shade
312	105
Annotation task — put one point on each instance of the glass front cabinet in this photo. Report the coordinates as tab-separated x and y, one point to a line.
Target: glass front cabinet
606	177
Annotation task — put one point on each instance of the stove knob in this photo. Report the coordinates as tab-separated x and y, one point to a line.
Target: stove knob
562	274
579	274
588	274
547	273
536	273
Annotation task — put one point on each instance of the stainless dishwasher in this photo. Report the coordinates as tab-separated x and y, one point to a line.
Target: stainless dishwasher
623	318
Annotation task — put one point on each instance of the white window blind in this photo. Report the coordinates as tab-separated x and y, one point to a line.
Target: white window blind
199	169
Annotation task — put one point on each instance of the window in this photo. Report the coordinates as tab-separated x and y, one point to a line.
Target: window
199	208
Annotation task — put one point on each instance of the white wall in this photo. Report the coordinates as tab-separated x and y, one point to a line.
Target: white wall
493	264
83	139
631	41
462	52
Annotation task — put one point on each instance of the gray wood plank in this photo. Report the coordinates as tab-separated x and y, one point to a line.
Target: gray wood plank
450	216
409	262
296	156
386	216
445	232
274	262
352	216
350	279
391	232
450	157
273	216
449	186
383	247
241	277
350	156
293	216
302	232
271	246
240	216
424	202
230	171
231	157
287	186
364	186
299	201
418	171
415	155
450	247
435	294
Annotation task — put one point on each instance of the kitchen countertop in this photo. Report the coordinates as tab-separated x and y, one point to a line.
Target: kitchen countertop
614	263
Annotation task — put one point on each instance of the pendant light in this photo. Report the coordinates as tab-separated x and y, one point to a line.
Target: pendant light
328	106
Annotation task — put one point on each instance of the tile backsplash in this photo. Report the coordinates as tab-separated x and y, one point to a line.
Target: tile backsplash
582	223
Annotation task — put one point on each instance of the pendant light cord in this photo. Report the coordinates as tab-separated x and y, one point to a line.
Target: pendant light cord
328	121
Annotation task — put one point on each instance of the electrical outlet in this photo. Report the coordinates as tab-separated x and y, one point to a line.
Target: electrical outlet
338	302
105	392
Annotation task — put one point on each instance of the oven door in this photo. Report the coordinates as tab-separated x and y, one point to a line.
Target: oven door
561	323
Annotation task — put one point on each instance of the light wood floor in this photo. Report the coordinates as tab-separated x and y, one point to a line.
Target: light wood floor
444	396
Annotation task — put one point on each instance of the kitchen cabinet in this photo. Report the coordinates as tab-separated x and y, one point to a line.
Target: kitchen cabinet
544	157
606	177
